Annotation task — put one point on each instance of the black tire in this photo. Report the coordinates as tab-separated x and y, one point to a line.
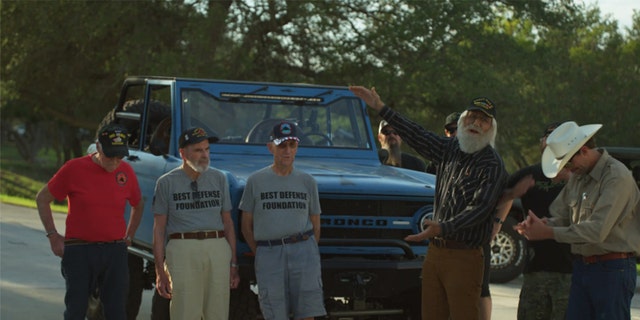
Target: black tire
157	110
244	303
507	253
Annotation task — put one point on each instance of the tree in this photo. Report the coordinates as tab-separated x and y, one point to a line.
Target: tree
540	61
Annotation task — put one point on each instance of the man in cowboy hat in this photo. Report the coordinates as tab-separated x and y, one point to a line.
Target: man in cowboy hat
471	178
598	213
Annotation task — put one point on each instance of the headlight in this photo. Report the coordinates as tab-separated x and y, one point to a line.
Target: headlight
425	213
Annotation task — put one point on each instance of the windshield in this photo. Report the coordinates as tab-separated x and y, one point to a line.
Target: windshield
336	124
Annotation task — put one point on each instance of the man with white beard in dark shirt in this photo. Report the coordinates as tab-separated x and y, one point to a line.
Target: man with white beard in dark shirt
471	178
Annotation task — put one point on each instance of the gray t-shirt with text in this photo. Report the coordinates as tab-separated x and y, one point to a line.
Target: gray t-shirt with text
281	205
192	208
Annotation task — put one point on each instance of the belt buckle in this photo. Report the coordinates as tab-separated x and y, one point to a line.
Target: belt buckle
201	235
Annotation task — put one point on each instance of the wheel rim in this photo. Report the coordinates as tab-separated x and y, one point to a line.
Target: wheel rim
503	249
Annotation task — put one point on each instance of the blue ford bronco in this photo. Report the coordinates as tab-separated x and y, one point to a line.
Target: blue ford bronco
368	270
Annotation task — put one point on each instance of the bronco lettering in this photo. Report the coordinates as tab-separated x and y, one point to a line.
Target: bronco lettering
349	222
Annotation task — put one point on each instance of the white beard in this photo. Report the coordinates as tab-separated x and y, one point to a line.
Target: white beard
470	143
197	168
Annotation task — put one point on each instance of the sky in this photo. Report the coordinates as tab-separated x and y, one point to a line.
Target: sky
621	10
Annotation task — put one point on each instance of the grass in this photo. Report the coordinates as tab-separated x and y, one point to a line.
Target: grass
29	203
20	181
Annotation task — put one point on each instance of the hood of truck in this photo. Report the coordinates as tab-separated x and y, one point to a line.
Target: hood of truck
340	177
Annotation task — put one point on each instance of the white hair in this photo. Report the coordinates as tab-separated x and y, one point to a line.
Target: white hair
470	145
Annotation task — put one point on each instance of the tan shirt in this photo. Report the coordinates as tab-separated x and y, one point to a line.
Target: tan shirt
599	212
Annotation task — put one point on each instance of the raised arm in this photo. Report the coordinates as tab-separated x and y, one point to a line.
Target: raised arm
369	96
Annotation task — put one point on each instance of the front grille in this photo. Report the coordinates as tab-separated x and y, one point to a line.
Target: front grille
365	207
366	219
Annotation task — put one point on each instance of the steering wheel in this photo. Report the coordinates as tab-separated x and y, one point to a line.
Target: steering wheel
260	132
323	141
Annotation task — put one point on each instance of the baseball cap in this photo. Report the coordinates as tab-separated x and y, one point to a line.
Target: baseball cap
452	118
383	124
483	104
284	131
195	135
113	140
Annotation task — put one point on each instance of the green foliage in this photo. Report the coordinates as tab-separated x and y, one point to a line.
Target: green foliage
20	186
29	203
63	61
20	181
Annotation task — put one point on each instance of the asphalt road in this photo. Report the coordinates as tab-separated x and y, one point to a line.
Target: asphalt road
31	286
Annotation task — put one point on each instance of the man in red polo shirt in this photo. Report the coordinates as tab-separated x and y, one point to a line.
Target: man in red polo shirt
94	247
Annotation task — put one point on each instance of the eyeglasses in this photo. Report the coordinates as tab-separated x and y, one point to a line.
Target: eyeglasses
451	129
473	116
388	132
194	188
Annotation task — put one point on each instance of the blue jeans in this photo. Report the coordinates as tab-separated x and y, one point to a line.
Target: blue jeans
602	290
86	267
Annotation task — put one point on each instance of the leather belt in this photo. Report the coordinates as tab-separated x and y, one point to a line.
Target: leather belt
199	235
450	244
74	242
291	239
606	257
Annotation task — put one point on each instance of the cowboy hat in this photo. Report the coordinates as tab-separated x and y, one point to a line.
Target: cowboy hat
563	143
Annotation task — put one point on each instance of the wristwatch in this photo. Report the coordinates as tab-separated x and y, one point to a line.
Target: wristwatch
497	220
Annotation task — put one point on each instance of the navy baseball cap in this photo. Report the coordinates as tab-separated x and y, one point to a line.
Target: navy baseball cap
284	131
195	135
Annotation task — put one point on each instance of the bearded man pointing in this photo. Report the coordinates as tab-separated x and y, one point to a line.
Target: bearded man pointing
471	178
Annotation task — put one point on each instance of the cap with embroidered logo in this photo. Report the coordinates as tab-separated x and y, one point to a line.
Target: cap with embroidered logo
485	105
284	131
113	139
195	135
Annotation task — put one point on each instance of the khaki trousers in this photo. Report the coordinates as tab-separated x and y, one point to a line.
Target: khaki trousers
199	272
